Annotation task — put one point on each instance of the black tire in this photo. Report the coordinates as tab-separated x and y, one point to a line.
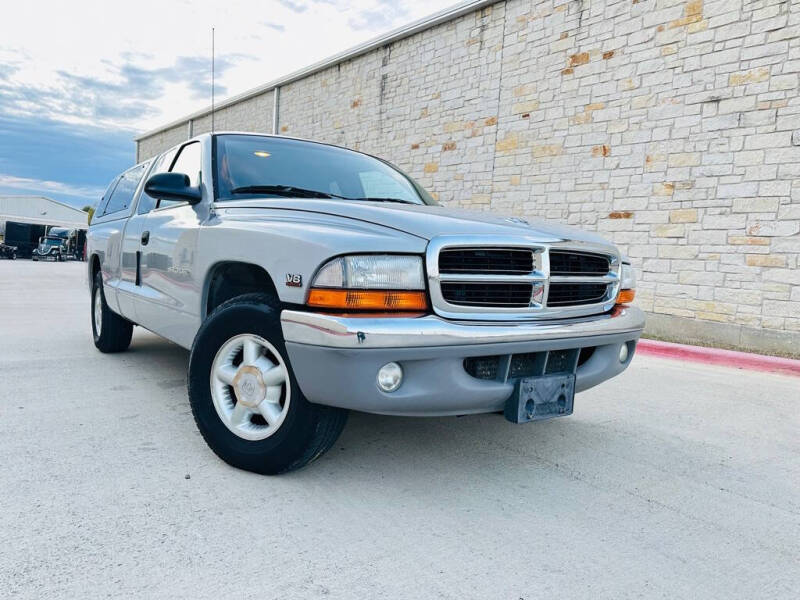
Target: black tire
13	256
307	431
115	331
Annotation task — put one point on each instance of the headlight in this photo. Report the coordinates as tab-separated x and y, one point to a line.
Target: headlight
627	288
370	282
372	271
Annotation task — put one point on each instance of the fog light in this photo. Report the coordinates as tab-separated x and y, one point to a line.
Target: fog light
623	353
390	376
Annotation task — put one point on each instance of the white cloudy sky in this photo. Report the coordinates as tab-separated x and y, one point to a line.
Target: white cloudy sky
79	78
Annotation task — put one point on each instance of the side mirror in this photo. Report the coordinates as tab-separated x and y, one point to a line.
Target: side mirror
172	186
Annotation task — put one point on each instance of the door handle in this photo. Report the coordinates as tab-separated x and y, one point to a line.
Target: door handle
145	238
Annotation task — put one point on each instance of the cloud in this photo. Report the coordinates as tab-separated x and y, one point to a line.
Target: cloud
379	17
275	26
297	7
46	187
7	71
127	93
196	73
68	162
148	84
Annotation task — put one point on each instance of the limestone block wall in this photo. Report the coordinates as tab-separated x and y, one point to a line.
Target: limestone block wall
670	126
252	114
161	141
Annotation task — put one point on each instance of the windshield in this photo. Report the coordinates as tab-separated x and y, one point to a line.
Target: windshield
251	166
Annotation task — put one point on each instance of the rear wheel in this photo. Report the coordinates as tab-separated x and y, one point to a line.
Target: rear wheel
112	333
244	395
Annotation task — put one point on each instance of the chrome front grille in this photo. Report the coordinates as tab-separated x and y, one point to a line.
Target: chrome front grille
499	278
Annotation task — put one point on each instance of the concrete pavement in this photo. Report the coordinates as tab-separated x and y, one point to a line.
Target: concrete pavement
674	480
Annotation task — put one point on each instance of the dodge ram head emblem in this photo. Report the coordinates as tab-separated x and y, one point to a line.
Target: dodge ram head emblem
294	280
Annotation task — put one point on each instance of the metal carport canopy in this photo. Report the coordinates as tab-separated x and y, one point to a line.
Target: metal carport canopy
39	210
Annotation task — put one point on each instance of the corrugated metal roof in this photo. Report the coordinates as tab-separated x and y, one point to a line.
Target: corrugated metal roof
400	33
42	211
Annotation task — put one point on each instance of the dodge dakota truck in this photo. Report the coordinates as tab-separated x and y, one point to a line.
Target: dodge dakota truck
308	280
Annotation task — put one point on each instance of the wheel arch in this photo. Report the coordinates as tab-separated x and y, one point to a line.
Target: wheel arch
228	279
94	268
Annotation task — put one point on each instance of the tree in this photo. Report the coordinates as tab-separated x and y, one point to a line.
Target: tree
90	210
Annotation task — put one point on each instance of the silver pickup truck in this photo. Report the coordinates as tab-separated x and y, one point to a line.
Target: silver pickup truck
308	279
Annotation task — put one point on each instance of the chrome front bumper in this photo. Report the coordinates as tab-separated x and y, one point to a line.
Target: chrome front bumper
336	358
402	332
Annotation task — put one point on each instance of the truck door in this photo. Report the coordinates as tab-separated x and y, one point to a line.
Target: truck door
130	291
108	228
169	247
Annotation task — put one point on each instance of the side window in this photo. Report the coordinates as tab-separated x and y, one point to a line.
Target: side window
148	203
101	206
122	195
189	163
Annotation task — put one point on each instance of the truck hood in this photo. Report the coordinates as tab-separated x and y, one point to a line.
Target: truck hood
427	221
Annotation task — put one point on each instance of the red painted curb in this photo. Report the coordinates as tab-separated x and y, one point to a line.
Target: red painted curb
718	356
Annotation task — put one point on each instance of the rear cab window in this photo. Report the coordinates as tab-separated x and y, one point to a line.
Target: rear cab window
123	193
101	206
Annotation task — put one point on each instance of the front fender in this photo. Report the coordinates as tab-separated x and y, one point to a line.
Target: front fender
292	242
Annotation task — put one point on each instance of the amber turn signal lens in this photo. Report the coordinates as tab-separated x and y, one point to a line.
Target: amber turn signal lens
368	299
625	296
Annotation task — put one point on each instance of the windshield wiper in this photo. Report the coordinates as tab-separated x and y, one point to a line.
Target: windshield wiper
369	199
287	191
290	191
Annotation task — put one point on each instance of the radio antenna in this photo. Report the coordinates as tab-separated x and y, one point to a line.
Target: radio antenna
212	80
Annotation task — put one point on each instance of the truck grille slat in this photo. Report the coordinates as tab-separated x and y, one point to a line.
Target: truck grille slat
578	263
488	294
576	294
507	261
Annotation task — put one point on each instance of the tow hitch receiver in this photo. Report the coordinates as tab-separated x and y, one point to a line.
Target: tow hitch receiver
543	397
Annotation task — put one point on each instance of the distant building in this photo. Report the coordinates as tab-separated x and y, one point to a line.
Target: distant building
38	210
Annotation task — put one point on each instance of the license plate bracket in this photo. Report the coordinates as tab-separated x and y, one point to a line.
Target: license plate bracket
539	398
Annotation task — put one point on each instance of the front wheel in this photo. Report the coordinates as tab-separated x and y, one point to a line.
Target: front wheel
111	332
244	395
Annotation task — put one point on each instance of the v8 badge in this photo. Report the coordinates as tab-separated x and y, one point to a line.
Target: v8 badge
294	280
